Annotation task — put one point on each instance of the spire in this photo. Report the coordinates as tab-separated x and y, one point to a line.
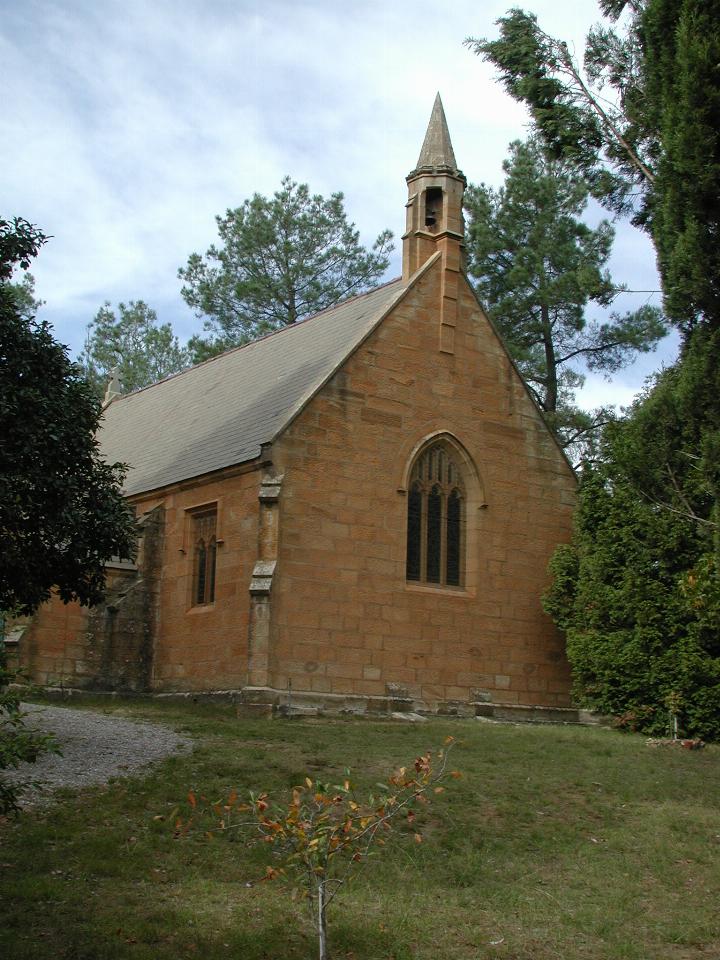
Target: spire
113	388
435	200
437	150
435	222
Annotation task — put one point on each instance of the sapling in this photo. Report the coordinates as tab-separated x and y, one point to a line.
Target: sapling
323	832
673	702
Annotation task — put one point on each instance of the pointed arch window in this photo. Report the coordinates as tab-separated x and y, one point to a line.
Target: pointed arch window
204	537
436	519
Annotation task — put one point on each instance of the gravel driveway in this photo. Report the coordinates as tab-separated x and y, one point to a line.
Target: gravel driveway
94	748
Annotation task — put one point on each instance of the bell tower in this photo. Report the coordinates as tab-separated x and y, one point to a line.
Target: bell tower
435	218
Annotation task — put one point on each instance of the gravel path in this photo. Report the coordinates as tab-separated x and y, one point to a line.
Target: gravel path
95	747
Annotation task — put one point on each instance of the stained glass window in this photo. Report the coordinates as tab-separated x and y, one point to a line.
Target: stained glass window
435	518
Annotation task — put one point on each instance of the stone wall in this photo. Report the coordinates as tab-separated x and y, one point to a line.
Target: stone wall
344	620
110	646
206	647
148	634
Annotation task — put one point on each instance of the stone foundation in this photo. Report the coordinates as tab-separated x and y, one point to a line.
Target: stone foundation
266	702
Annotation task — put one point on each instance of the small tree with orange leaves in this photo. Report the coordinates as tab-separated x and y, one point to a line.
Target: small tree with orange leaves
324	830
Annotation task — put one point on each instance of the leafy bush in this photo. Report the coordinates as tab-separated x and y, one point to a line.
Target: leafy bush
17	743
637	592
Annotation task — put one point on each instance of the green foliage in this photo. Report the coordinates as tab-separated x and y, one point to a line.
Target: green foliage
132	345
638	590
641	122
20	242
61	511
590	118
681	44
24	293
537	267
18	744
280	259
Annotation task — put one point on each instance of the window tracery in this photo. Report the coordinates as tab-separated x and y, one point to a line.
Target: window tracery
436	516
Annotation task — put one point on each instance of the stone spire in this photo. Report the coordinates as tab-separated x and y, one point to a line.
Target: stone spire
435	195
437	150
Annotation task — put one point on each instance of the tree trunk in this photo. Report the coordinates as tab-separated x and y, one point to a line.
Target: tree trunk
322	927
551	384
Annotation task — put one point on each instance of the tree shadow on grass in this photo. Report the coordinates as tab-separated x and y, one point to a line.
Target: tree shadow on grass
169	935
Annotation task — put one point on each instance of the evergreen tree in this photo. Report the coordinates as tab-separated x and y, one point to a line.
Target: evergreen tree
680	41
638	589
62	514
637	592
641	122
24	293
133	345
280	259
537	267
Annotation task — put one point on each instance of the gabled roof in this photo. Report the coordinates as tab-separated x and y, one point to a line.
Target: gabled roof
219	413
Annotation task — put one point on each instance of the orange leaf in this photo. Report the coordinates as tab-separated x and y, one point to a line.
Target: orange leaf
439	790
418	838
191	799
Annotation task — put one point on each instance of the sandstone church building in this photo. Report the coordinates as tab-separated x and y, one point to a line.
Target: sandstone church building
354	513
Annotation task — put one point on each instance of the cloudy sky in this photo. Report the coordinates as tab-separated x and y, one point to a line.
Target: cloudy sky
127	125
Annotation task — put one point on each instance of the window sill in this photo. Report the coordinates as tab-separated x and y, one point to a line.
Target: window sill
437	589
201	608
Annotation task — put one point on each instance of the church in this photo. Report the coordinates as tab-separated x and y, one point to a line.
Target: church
353	514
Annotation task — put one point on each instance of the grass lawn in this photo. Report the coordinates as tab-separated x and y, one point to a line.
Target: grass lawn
559	842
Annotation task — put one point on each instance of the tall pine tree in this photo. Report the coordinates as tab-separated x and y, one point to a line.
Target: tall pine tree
280	259
538	268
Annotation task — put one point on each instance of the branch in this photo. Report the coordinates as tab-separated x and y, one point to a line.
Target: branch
600	348
688	513
570	68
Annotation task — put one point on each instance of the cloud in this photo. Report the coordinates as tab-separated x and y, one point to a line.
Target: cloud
129	125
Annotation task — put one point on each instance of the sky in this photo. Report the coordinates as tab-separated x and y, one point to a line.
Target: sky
128	125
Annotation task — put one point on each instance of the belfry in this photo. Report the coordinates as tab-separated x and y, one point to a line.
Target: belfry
435	218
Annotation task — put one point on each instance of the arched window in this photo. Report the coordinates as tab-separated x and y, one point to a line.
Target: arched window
436	518
204	556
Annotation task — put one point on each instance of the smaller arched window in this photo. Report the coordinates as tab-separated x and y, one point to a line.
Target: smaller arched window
436	519
204	526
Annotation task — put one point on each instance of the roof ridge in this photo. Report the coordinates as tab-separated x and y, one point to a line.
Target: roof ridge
250	343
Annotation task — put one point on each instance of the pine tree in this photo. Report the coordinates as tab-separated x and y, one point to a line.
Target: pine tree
133	345
280	259
538	267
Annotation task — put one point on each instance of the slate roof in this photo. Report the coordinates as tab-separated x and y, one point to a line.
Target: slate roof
218	413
